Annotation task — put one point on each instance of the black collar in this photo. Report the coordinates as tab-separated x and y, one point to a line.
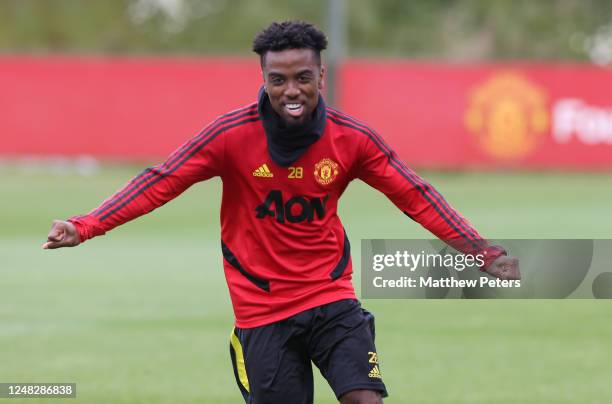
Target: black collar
287	144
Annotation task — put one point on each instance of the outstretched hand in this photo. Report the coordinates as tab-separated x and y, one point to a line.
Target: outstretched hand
62	234
504	268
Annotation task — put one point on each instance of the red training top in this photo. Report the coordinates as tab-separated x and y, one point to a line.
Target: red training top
284	247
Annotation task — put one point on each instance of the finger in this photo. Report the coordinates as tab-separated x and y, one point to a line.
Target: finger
515	269
57	231
58	228
512	273
56	235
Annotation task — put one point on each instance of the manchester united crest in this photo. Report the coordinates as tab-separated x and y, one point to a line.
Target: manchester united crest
508	114
326	171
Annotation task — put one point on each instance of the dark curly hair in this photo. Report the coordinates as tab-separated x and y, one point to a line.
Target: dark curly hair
289	35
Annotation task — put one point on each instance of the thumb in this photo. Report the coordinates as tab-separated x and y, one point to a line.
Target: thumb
51	245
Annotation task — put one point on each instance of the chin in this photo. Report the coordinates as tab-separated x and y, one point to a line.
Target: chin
291	121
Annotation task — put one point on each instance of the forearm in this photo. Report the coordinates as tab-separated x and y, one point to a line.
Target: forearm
149	190
443	221
196	160
424	204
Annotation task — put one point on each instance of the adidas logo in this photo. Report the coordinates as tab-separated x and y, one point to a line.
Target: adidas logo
375	373
263	171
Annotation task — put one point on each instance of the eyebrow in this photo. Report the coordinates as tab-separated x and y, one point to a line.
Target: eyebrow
303	71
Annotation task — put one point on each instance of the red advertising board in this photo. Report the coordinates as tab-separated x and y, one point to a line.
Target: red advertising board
510	115
127	109
527	116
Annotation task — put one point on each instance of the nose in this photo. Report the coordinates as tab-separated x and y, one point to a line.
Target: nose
292	90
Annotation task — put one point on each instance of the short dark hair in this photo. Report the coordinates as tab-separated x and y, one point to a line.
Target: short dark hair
289	35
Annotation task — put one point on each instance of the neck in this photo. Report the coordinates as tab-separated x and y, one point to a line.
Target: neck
287	141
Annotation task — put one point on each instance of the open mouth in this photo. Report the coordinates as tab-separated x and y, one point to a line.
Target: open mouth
294	110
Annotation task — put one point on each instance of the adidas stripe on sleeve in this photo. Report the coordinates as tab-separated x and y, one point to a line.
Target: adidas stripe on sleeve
380	167
196	160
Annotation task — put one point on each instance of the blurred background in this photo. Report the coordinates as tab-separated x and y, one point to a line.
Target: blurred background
504	106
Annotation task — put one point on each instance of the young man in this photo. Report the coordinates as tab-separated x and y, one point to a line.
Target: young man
285	160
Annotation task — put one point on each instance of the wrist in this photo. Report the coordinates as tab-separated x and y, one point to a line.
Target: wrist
86	227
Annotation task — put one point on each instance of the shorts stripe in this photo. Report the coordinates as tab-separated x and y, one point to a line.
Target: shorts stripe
238	362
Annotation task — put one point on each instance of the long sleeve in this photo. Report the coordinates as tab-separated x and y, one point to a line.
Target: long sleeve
381	168
196	160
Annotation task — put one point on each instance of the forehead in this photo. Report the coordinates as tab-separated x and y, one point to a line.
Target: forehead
290	59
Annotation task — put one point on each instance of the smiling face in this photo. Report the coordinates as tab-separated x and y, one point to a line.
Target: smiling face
292	79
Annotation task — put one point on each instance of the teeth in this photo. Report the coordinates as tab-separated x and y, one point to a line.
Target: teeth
293	106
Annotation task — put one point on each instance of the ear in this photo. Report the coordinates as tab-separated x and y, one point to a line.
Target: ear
262	61
322	78
265	82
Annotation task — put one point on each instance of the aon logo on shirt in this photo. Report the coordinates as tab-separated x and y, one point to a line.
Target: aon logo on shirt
297	209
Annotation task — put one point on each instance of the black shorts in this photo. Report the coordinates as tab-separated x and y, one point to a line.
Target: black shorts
272	363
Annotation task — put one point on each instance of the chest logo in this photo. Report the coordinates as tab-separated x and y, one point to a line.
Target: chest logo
326	171
263	171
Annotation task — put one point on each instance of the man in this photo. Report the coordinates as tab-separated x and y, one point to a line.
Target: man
285	161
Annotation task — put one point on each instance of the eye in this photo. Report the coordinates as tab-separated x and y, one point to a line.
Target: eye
276	80
306	78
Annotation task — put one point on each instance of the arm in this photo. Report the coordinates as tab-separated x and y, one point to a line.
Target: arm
196	160
381	168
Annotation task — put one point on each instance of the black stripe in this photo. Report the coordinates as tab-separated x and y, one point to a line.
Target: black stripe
411	180
421	187
346	255
162	175
233	261
381	143
128	189
392	155
116	198
133	184
178	154
470	235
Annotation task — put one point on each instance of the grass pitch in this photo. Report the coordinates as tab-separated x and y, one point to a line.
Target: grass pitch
142	315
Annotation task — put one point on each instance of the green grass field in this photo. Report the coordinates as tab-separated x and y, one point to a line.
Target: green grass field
142	315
